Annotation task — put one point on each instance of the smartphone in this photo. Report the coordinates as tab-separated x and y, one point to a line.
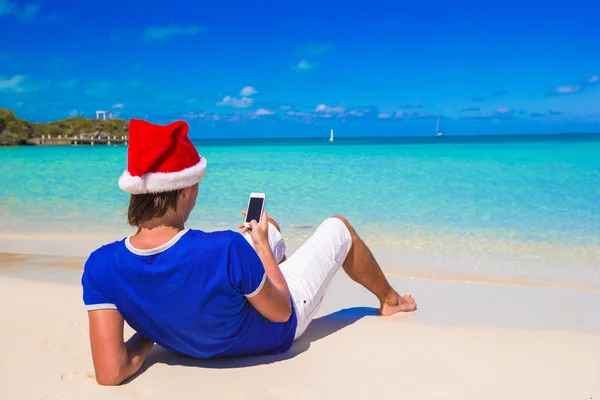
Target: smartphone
256	205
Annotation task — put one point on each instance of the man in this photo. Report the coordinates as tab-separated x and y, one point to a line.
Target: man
217	294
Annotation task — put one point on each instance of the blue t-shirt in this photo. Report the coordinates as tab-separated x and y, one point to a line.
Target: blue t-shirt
188	295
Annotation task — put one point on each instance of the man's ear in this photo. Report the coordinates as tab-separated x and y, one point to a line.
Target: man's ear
185	193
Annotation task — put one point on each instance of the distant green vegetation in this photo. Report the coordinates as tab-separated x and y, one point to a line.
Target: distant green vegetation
15	131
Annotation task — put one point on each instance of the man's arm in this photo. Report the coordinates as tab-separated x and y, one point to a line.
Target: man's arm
273	299
114	360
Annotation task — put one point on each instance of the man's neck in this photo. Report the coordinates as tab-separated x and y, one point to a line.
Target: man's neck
155	233
158	225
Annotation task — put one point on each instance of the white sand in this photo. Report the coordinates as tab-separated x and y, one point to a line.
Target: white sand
466	341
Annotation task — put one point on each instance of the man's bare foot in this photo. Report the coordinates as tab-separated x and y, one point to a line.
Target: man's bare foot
398	304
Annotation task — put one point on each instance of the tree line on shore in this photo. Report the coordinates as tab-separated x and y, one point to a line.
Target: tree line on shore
16	131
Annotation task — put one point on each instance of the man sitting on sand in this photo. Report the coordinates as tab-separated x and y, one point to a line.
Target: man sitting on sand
207	294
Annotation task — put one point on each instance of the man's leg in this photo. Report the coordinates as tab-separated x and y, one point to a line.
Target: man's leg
276	225
311	268
276	241
361	267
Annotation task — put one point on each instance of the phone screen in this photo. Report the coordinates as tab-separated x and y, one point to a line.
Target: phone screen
254	209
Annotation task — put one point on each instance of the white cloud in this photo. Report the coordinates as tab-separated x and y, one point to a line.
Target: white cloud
235	102
118	105
22	84
503	110
202	115
567	89
263	111
232	118
285	108
12	84
322	108
163	32
399	114
384	116
304	65
248	91
572	89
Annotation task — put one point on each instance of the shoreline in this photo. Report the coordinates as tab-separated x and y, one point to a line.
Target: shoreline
65	141
444	257
395	263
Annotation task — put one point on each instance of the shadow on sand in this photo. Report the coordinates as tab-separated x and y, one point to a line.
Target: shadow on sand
317	330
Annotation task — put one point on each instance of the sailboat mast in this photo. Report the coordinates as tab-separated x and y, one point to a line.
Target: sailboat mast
437	126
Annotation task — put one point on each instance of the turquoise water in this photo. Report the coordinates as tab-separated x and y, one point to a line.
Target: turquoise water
538	191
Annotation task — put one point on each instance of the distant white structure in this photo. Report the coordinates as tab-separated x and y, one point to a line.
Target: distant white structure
331	136
437	128
104	114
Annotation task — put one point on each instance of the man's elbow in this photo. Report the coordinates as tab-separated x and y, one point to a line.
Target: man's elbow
109	378
284	315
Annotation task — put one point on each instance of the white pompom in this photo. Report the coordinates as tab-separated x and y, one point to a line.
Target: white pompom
132	184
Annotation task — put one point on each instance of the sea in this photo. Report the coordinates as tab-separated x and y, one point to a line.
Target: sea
518	209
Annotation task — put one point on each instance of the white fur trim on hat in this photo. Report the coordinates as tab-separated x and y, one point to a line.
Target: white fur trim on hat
156	182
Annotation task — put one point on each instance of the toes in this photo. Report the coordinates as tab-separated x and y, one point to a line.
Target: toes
409	299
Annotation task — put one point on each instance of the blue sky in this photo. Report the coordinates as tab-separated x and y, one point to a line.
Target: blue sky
247	69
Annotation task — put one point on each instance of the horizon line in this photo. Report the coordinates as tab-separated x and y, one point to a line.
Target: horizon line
404	137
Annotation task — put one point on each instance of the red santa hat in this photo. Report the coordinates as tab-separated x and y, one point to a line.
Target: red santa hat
160	158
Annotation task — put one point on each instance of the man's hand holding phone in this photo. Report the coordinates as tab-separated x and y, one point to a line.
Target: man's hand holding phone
259	231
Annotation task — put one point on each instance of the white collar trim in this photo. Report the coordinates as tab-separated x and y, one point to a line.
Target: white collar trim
156	250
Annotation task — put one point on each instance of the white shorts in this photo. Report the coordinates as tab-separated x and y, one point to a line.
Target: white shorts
275	242
311	268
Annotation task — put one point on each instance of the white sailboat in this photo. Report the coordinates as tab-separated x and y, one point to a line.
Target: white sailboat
437	128
331	136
